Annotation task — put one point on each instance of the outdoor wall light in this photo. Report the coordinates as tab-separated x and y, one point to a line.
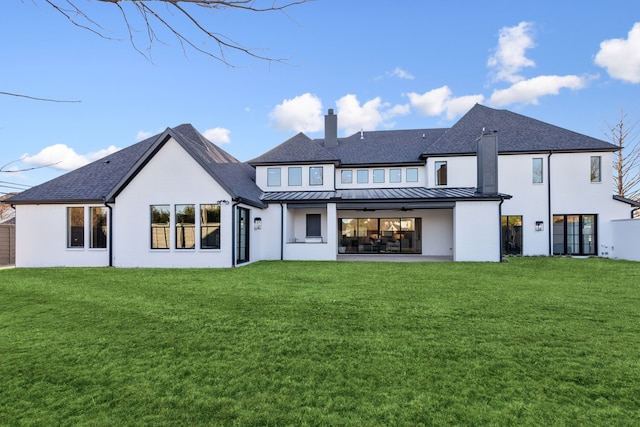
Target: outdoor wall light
257	223
539	225
226	202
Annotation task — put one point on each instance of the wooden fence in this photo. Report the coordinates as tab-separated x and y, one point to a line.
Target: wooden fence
7	244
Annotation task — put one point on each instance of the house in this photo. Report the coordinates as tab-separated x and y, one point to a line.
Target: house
494	183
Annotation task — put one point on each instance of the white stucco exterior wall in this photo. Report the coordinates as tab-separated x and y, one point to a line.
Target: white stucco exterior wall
476	231
41	239
626	238
171	177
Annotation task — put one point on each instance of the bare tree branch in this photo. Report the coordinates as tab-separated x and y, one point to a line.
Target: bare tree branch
3	168
626	165
35	98
153	20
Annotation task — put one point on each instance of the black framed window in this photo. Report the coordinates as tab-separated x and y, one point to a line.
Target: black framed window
512	235
412	174
98	231
537	170
75	227
441	173
595	174
273	177
575	235
295	176
346	176
314	225
210	226
160	228
315	175
185	226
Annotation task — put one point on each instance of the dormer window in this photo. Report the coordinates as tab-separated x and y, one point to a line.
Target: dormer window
346	176
363	176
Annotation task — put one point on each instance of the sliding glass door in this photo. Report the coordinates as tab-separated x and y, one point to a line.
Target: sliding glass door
380	235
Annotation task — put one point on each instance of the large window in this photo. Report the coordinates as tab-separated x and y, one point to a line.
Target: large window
574	235
185	226
98	227
210	226
75	227
380	235
363	176
512	235
595	169
346	176
160	230
412	174
537	170
273	177
441	173
295	176
315	175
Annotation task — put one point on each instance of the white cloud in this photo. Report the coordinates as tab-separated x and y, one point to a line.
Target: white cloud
302	114
528	91
218	135
621	57
509	57
353	117
142	135
440	101
401	74
60	156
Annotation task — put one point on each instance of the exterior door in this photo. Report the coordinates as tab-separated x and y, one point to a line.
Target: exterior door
242	239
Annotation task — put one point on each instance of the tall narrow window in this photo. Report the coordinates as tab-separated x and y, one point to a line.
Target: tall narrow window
378	175
537	170
315	175
185	226
314	227
160	226
75	227
595	169
98	227
210	226
363	176
273	177
346	176
295	176
412	174
441	173
395	175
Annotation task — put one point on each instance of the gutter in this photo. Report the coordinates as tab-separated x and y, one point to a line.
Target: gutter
233	230
550	219
110	234
500	228
281	232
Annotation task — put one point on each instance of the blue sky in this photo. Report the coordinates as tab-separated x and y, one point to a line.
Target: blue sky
378	64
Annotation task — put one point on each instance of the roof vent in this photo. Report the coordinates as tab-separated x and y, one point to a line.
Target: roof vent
361	133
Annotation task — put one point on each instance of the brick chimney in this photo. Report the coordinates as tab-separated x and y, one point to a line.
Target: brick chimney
330	129
487	157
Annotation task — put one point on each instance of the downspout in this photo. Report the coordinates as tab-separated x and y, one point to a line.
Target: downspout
550	219
500	228
281	231
110	234
233	232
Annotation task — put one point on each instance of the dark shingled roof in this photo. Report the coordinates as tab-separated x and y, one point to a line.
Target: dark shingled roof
516	134
104	179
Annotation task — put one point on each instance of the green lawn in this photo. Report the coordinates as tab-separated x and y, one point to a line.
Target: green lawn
533	341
